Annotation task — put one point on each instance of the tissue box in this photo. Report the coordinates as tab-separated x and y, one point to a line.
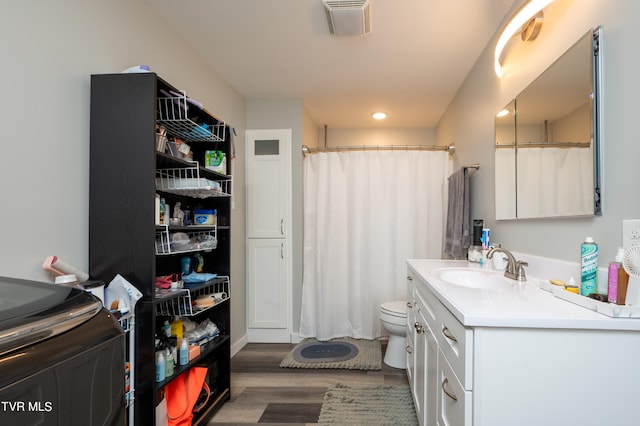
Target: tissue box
194	352
216	161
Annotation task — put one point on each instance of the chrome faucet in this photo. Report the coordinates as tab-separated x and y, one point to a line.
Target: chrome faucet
515	268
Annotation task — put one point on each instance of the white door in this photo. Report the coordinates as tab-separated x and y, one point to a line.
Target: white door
268	183
267	298
269	301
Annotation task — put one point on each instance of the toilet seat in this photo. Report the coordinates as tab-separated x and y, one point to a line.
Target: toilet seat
396	308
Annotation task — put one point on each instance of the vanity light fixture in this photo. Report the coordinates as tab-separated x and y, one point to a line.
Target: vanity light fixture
379	115
522	18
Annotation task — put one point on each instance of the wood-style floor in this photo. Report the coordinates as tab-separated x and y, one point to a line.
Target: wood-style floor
262	392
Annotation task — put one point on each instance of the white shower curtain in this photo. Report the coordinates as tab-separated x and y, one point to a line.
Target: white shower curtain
365	213
539	172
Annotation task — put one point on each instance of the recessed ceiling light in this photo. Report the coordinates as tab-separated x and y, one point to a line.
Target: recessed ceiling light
379	115
502	113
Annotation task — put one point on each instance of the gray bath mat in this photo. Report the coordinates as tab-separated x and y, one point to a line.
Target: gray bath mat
331	351
370	405
341	353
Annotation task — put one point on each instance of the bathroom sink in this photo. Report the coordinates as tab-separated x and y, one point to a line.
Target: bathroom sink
475	278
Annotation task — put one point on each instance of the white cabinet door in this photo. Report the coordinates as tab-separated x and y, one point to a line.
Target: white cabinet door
410	332
268	183
426	371
268	297
269	268
419	367
410	339
431	380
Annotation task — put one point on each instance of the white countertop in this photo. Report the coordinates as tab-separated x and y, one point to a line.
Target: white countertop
524	305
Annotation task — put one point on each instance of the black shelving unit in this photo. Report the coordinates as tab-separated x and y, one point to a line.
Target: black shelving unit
126	110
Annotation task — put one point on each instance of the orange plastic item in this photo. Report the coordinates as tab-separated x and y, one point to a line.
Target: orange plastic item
183	393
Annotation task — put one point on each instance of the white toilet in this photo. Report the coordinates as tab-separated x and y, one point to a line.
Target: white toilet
393	316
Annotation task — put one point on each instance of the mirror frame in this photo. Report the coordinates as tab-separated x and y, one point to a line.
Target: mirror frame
596	58
504	209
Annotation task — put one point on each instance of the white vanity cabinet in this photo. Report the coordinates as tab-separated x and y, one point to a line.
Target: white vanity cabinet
525	360
422	367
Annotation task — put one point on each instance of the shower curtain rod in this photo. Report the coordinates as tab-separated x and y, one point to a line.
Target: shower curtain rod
449	148
545	145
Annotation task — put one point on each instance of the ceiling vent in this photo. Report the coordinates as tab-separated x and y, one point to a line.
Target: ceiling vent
348	17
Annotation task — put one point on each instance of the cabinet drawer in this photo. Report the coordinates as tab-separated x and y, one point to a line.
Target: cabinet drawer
454	402
456	343
429	307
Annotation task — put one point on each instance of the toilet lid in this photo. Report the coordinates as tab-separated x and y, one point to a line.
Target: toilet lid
396	308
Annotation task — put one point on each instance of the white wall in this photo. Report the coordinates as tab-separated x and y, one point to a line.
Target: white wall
377	136
469	121
49	50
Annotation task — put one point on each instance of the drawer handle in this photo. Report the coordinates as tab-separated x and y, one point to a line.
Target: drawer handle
445	382
408	348
446	333
409	277
419	327
409	305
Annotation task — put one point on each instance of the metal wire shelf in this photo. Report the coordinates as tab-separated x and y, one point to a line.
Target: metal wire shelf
181	302
172	114
187	181
198	241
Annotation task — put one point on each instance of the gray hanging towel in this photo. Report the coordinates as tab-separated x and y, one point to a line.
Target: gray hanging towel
457	237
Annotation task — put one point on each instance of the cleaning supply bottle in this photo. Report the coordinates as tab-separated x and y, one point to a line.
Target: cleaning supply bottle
163	211
589	267
160	367
614	272
166	328
168	363
183	353
176	328
185	263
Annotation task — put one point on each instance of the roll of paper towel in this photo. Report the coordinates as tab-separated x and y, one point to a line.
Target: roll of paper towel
219	296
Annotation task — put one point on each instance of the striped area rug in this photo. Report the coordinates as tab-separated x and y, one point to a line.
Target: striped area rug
370	405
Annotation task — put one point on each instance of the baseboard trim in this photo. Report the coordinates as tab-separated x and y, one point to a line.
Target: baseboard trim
238	345
268	336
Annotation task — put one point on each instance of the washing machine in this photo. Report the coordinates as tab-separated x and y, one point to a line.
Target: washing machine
62	357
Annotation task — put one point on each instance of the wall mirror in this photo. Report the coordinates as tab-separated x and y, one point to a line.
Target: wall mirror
547	144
